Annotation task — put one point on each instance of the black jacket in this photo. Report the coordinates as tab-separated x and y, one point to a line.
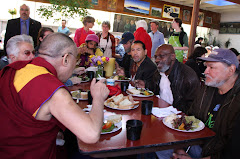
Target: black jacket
225	119
184	85
145	70
14	28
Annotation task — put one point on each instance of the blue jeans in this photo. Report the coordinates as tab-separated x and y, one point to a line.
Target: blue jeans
195	152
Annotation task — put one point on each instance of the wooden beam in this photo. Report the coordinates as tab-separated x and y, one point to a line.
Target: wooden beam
234	1
194	22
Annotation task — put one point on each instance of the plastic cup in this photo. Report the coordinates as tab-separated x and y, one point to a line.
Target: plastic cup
134	129
110	82
90	74
124	85
89	98
147	107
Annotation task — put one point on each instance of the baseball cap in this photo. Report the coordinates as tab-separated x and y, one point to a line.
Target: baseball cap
92	37
222	55
126	37
118	37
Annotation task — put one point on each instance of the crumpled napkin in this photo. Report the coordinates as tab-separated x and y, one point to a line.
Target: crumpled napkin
114	90
163	112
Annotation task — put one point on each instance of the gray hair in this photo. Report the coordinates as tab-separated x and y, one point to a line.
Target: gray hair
13	44
142	23
55	44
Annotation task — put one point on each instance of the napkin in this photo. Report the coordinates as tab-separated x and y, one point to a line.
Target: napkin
163	112
165	89
114	90
130	86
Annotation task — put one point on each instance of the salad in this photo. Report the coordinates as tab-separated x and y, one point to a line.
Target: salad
108	126
84	77
185	123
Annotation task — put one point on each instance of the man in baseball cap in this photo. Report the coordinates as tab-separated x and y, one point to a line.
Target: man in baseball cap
222	55
217	105
127	40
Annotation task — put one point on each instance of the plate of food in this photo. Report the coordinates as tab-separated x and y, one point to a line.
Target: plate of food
183	123
112	123
121	102
140	92
121	78
84	78
79	95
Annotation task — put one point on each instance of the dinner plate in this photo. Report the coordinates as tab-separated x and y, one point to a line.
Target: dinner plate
200	126
85	81
123	80
118	125
141	95
135	106
78	98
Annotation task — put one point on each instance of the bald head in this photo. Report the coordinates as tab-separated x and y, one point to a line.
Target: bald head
57	44
166	49
24	12
61	52
165	58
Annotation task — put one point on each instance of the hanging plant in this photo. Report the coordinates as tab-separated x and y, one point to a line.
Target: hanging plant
68	9
12	11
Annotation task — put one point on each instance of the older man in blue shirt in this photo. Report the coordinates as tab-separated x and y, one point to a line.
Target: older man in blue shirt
156	36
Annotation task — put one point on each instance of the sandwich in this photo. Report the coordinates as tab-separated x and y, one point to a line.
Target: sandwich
134	91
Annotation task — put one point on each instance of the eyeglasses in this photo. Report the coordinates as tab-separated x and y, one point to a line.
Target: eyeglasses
70	54
26	10
28	52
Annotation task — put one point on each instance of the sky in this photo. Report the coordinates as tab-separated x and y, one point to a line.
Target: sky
136	3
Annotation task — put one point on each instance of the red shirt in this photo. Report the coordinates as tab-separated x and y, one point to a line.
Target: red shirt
142	35
21	135
80	36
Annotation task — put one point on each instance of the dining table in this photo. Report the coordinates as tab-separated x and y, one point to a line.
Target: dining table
155	136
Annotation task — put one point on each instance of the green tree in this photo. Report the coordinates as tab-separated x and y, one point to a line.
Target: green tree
68	9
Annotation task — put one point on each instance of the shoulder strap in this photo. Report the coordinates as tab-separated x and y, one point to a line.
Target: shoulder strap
182	33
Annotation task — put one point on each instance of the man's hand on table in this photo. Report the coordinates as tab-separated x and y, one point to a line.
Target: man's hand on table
75	80
181	154
139	84
120	71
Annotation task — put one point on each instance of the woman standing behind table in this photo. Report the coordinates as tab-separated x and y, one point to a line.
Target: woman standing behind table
81	33
107	40
178	39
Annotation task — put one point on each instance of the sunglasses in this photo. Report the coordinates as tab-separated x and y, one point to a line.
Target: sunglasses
27	52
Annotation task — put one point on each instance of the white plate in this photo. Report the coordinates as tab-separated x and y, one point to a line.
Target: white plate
123	80
140	95
200	126
135	106
85	81
118	126
76	97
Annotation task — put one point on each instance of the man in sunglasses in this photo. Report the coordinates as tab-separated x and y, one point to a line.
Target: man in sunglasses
35	104
19	48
